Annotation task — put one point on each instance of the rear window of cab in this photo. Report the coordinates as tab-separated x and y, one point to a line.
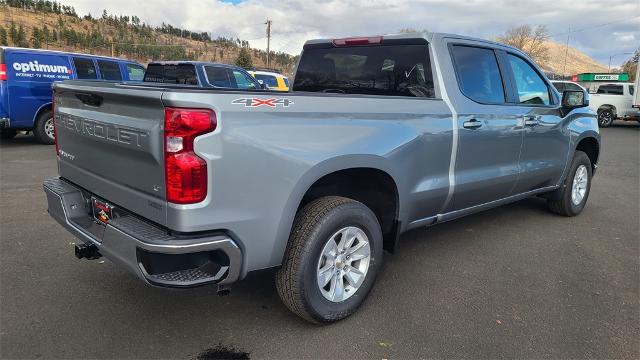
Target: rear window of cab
387	69
171	74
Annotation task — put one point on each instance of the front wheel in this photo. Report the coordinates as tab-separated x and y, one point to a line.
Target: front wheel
605	118
332	259
572	197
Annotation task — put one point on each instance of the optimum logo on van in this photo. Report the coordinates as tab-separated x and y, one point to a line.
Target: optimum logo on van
34	69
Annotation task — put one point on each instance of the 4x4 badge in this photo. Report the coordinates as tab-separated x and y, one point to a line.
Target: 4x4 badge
255	102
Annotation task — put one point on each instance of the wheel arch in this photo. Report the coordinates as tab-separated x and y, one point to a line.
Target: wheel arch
590	145
607	107
41	109
320	180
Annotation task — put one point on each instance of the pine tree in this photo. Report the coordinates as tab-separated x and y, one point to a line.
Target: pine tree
244	59
3	36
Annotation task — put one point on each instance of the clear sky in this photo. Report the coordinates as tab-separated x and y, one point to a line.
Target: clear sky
295	21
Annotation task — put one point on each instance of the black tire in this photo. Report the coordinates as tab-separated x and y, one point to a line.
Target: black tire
8	134
605	118
560	201
41	131
313	227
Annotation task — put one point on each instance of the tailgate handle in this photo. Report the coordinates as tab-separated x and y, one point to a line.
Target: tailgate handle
90	99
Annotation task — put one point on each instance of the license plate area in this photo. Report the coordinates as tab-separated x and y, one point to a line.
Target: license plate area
102	211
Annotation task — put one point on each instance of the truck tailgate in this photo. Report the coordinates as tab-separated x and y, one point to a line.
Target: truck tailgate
110	143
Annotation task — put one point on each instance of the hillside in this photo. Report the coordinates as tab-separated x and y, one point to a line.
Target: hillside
577	61
49	25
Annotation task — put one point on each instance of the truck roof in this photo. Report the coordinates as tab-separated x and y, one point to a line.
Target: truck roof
427	35
193	62
45	51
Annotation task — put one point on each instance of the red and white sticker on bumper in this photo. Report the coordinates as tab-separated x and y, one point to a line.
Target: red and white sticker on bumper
255	102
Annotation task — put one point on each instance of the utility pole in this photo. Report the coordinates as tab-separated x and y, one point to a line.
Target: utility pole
113	50
566	52
268	23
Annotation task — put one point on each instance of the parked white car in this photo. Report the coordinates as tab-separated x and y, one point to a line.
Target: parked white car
614	101
636	96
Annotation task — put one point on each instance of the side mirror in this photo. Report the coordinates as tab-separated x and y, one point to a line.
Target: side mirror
574	99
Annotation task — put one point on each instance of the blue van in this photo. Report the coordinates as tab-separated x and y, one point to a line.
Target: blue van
26	76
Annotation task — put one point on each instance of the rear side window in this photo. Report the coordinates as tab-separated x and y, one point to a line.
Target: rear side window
184	74
631	89
84	68
478	74
135	72
286	81
218	76
109	70
611	89
532	89
391	70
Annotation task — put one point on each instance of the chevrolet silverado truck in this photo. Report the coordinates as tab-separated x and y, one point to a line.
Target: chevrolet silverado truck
186	186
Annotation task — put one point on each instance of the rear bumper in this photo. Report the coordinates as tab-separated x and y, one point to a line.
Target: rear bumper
150	252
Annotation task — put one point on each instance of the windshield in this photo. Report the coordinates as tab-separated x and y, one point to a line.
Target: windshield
393	70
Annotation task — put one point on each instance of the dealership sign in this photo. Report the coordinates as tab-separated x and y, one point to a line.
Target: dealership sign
601	77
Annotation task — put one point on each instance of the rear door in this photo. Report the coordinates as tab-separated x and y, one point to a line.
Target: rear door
546	146
489	135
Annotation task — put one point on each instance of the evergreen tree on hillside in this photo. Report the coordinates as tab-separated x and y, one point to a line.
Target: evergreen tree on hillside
244	59
3	36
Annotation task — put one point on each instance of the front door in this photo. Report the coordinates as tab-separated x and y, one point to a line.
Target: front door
546	144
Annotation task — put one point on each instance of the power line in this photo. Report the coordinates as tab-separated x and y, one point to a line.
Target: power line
594	26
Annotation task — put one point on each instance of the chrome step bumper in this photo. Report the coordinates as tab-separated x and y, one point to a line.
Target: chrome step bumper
149	251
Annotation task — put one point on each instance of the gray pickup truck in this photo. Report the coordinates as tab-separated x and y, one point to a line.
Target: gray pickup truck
186	186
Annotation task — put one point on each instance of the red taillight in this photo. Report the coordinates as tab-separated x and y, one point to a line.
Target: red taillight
3	71
574	78
358	41
185	172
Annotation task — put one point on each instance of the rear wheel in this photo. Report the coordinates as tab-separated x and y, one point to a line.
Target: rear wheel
605	118
7	134
572	197
43	130
333	256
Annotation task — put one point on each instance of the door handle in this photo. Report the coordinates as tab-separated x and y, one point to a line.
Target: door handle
472	124
531	120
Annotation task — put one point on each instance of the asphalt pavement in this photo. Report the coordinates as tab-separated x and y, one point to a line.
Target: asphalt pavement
516	281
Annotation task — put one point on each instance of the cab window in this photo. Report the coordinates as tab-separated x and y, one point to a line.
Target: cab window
478	74
532	89
611	89
84	68
109	70
243	81
135	72
268	80
218	76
